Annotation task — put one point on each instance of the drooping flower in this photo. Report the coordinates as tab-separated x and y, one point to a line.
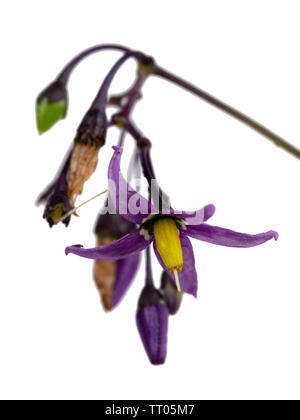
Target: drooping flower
113	278
56	196
168	230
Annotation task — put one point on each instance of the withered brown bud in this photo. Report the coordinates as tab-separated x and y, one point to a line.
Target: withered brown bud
92	128
108	228
90	137
104	275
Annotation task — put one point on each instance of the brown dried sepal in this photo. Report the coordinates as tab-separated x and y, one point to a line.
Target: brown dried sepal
104	276
83	164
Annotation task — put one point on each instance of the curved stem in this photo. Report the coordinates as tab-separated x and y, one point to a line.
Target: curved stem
279	141
67	70
100	101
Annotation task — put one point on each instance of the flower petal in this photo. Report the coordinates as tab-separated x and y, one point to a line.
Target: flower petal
128	202
196	217
128	245
188	275
126	270
226	237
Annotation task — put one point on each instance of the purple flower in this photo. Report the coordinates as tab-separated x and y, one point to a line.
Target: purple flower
168	230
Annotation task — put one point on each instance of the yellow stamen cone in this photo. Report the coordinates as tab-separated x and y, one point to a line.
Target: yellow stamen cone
177	281
168	243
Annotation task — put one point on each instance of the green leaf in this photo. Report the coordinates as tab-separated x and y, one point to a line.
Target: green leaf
48	113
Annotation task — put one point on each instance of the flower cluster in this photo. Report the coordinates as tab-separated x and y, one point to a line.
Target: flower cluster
130	224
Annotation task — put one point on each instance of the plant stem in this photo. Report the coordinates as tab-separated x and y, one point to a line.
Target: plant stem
149	276
100	100
279	141
67	70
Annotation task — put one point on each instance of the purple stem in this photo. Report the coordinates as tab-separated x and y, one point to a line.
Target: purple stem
100	101
67	70
149	276
279	141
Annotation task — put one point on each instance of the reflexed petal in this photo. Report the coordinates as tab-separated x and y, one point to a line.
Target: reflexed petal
126	270
226	237
188	274
125	199
128	245
196	217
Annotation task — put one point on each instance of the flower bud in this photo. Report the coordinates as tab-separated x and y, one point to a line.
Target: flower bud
90	137
152	323
113	278
171	295
51	106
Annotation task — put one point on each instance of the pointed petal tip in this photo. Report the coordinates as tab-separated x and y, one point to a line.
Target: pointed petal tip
118	149
210	210
70	249
274	234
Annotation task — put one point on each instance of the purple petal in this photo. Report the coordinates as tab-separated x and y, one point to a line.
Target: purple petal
126	270
152	323
125	199
226	237
188	274
128	245
196	217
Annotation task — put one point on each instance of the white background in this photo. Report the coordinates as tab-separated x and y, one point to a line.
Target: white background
240	338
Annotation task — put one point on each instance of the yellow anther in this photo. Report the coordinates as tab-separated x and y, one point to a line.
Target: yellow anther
168	244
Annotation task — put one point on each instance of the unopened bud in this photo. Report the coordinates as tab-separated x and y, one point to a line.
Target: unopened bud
152	323
51	106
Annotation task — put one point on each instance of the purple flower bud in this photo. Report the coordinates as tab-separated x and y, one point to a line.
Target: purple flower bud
170	293
152	323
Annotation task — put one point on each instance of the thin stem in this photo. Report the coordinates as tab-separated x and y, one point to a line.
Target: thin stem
65	216
134	95
279	141
67	70
122	138
144	146
149	276
100	100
